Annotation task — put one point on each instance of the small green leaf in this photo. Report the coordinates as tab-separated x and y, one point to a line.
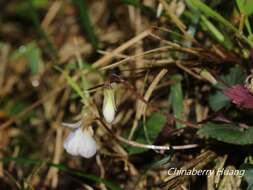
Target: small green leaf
154	125
235	76
209	12
245	6
176	99
74	85
218	101
15	107
227	133
248	176
72	82
213	29
32	53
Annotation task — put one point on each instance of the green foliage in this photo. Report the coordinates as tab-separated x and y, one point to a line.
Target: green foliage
13	108
73	83
85	21
218	100
248	176
50	49
235	76
78	173
154	125
32	53
216	31
20	7
160	162
209	12
245	6
135	3
213	29
227	133
176	99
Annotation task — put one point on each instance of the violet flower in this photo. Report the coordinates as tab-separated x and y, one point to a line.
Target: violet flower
80	141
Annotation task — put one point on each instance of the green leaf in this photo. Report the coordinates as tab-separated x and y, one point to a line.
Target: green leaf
245	6
159	163
248	174
218	100
15	107
176	99
85	21
154	125
236	75
32	53
72	82
209	12
212	29
215	30
78	173
20	7
227	133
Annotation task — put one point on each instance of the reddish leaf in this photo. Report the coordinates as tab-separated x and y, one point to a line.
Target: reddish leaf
240	96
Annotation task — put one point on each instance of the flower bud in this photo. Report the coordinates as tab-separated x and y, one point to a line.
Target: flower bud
205	74
109	107
159	10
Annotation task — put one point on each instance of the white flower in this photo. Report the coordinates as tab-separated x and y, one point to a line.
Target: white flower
109	107
80	142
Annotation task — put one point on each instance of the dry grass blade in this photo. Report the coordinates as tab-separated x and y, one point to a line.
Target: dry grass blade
141	107
107	58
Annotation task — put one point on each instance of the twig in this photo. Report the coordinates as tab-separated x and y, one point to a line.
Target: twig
146	146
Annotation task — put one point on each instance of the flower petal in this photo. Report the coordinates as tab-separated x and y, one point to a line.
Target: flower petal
71	144
80	143
87	145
